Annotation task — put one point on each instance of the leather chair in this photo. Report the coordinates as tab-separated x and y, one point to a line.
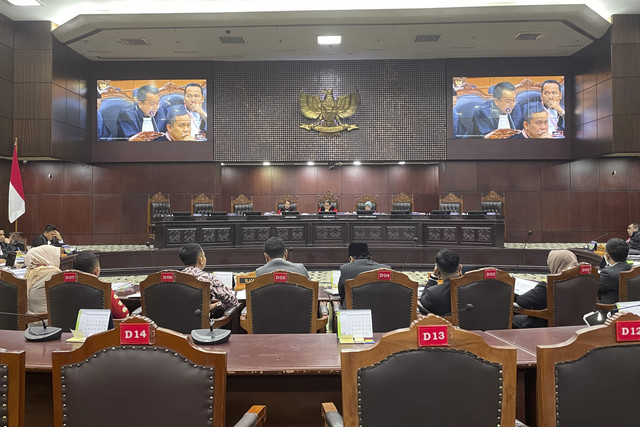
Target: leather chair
12	384
71	290
241	204
282	303
176	300
570	295
402	202
360	202
175	382
334	200
468	99
397	383
13	299
393	301
158	207
629	288
493	202
451	203
201	205
590	379
490	291
280	202
114	101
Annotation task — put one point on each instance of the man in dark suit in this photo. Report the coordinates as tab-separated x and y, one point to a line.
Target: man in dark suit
498	113
50	236
615	252
436	298
359	262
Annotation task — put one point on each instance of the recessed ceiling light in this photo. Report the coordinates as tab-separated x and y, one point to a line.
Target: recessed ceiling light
330	40
266	164
24	2
310	163
357	163
401	162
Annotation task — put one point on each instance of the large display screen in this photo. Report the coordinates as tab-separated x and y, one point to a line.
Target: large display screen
152	110
520	107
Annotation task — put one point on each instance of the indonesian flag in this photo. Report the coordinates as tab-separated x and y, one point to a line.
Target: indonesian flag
16	193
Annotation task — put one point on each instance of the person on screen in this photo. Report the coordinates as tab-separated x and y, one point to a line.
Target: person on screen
551	95
615	252
286	208
178	125
359	261
193	100
104	134
275	256
436	298
143	116
501	112
536	123
326	207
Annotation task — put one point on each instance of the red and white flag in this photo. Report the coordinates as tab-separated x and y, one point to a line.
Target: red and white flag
16	193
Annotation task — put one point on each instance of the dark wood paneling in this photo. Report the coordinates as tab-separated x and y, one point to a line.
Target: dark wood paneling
329	180
113	239
6	31
32	66
578	110
77	218
6	106
235	181
28	222
625	29
134	214
614	174
461	176
306	180
493	176
376	181
107	179
6	62
626	93
606	132
77	178
106	209
625	60
49	177
589	104
284	179
604	98
260	180
612	202
585	211
73	110
180	202
6	137
471	201
555	209
634	173
424	179
584	174
627	133
32	101
58	103
524	176
50	211
354	182
73	144
137	178
634	206
523	211
400	179
32	35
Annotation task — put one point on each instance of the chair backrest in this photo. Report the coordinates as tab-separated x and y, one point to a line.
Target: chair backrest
176	300
490	291
577	379
366	197
391	296
201	205
71	290
398	383
466	104
158	206
629	288
493	202
12	386
13	299
402	202
451	203
572	294
241	204
176	383
110	108
334	200
282	303
292	199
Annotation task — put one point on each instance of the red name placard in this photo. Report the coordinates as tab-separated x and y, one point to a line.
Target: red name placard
134	333
433	336
70	277
585	269
384	275
628	330
167	277
490	274
280	277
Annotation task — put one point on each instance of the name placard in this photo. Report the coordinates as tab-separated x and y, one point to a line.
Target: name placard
628	330
167	277
70	277
135	333
280	277
384	275
490	273
433	336
585	269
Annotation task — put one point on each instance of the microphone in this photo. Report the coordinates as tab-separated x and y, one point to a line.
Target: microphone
523	249
600	237
467	307
209	336
38	333
413	245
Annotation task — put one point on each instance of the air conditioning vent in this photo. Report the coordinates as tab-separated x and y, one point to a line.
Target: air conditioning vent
528	36
231	39
427	38
138	41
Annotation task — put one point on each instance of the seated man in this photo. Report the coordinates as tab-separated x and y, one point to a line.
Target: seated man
50	236
286	208
551	96
634	238
436	298
275	256
87	262
192	256
536	123
178	125
501	112
615	252
359	261
145	115
193	101
326	207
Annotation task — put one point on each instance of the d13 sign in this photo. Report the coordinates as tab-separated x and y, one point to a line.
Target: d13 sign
433	336
384	275
628	330
134	333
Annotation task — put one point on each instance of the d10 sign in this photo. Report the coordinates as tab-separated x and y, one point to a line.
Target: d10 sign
384	275
628	330
433	336
134	333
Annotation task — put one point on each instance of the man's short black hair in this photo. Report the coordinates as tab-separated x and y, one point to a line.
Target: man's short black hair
189	253
635	225
143	91
86	261
194	85
359	250
447	261
274	247
617	249
533	108
502	86
174	112
548	82
49	227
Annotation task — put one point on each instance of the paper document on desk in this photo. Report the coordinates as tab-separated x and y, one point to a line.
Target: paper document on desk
629	306
241	294
335	277
523	286
225	277
121	286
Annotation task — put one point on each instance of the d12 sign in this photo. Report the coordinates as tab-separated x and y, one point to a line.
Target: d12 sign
628	330
384	275
134	333
70	277
280	277
490	274
585	269
433	336
167	277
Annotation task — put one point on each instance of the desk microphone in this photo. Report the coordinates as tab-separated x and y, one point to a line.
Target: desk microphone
209	336
523	249
38	333
600	237
467	307
413	245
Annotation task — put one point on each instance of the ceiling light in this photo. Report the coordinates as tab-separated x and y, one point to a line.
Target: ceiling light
310	163
330	40
266	164
401	162
25	2
357	163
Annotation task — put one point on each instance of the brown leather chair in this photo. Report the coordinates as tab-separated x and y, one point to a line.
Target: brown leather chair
201	205
402	203
493	202
451	203
241	204
158	206
570	295
71	290
334	200
629	288
12	384
590	379
391	296
490	292
175	382
362	200
397	383
292	199
282	303
13	299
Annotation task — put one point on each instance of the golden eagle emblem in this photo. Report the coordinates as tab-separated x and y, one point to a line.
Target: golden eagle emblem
328	111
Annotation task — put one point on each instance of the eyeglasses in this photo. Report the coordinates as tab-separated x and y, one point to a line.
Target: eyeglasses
508	100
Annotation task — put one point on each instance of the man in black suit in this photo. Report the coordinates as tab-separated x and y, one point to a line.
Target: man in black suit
359	262
615	252
50	236
436	298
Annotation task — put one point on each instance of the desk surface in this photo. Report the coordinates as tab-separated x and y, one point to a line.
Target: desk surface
526	340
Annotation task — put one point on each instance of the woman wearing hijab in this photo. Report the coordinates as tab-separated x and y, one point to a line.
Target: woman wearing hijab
536	299
42	262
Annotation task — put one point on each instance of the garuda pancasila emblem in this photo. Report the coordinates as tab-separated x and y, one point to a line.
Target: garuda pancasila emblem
329	111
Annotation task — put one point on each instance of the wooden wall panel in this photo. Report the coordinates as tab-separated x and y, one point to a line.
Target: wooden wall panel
614	174
354	181
106	209
107	179
524	176
634	174
76	219
134	214
424	179
461	176
6	62
584	175
32	66
400	179
283	180
523	211
32	101
625	60
306	180
49	176
493	176
50	211
555	211
611	203
32	35
137	178
77	178
329	180
634	207
604	99
585	211
6	31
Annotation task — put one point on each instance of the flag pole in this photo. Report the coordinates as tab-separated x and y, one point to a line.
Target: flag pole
15	224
